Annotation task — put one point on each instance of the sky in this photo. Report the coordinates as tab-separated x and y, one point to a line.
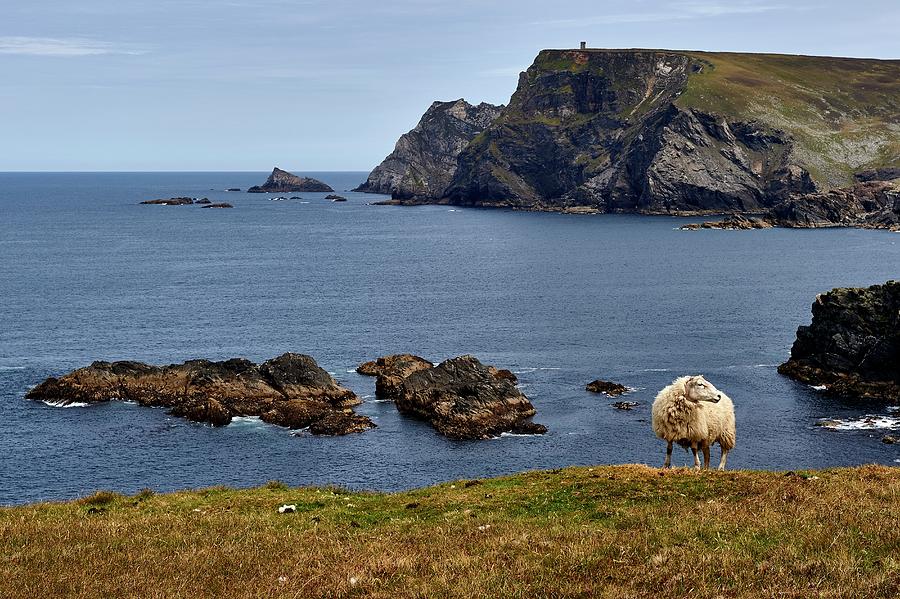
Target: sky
318	85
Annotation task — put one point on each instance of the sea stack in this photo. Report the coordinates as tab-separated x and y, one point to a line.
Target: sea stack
281	181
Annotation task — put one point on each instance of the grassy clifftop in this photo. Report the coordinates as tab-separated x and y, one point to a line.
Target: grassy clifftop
626	531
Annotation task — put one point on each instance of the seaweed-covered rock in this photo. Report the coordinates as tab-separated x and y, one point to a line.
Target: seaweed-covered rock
462	399
852	347
284	390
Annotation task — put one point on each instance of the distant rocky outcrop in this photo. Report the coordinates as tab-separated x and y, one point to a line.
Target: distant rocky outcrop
664	132
290	390
852	347
462	399
424	160
335	198
217	205
282	181
391	371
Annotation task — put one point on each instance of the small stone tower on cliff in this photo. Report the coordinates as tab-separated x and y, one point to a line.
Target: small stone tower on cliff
584	45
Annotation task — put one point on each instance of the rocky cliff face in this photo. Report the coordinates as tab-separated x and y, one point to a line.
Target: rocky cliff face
852	347
424	159
677	133
603	130
284	182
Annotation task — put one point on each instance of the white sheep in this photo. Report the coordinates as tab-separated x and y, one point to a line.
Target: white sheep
693	413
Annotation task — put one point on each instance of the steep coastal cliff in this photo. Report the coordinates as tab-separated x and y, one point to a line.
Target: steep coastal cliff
424	160
656	131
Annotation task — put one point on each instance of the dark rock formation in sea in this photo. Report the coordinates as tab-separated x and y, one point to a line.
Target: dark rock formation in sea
606	387
462	399
391	371
290	390
282	181
335	198
204	201
669	132
218	205
424	160
172	202
852	347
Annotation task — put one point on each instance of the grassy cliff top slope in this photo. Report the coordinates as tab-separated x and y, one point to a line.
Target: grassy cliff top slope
843	113
622	531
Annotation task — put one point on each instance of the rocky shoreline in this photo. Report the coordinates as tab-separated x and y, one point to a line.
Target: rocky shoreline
868	205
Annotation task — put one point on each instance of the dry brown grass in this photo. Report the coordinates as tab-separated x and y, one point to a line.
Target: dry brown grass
624	531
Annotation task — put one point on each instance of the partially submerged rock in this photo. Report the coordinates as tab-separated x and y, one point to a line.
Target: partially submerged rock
180	201
290	390
462	399
217	205
852	347
282	181
392	371
606	387
732	223
335	198
625	405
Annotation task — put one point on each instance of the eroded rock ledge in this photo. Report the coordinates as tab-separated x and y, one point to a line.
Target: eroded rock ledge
290	390
869	205
852	347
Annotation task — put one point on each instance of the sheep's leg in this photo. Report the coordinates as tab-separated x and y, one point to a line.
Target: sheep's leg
696	456
668	463
723	460
705	448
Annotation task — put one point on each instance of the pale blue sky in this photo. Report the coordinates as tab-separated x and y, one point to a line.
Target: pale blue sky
330	84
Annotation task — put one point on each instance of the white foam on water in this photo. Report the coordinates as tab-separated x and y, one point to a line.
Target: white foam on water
12	368
516	435
656	370
63	404
819	387
863	423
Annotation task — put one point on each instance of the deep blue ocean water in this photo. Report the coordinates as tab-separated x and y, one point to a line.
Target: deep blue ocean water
86	273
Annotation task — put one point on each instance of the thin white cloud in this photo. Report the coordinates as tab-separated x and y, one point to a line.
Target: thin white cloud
679	11
65	47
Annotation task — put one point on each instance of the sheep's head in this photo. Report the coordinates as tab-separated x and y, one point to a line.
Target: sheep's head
697	389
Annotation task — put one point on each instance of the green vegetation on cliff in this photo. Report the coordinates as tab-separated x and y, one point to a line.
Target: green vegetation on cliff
622	531
843	113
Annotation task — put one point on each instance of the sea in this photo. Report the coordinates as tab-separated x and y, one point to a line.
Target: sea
87	273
